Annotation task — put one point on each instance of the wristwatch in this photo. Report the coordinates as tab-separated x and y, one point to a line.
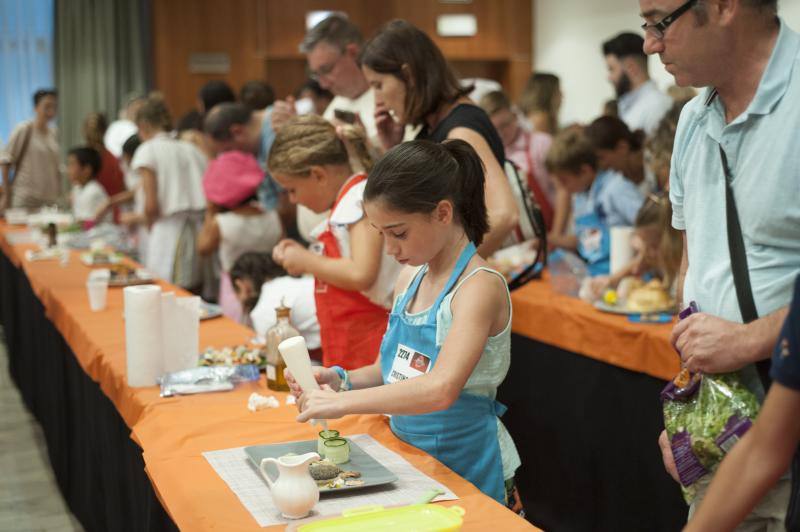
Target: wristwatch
344	375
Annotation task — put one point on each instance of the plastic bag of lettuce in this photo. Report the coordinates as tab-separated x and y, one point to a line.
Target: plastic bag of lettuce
705	415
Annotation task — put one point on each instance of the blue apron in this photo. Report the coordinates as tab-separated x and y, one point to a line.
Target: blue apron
594	235
463	437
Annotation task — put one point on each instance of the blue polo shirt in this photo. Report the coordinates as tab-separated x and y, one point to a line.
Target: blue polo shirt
786	358
612	197
763	150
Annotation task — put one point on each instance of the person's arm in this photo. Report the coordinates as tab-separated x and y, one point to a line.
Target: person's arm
500	204
682	271
5	199
358	273
209	237
569	242
439	389
150	188
561	209
117	199
364	377
754	465
714	345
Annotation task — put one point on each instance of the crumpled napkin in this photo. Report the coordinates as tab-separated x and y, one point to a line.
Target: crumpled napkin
258	402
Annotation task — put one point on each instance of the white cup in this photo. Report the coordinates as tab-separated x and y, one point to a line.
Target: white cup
98	292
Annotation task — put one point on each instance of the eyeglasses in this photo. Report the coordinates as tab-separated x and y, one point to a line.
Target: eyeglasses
324	70
658	29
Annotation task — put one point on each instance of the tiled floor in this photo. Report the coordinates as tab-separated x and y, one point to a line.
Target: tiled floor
29	496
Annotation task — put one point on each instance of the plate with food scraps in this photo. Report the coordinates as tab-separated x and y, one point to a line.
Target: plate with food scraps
100	258
122	275
209	310
233	356
361	471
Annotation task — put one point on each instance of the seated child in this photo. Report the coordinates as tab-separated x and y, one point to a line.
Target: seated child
261	286
658	245
658	248
601	199
354	274
87	197
235	222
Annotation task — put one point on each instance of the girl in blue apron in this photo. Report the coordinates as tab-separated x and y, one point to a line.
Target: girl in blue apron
447	346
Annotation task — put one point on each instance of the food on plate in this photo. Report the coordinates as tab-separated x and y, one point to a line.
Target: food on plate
610	297
121	271
649	298
325	435
337	450
331	476
324	470
227	356
626	286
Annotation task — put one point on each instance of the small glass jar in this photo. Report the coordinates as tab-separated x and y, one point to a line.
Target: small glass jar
275	335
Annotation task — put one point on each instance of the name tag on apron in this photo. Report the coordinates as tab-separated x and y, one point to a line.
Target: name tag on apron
408	364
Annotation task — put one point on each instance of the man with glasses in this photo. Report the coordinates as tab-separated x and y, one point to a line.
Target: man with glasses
332	48
735	189
641	105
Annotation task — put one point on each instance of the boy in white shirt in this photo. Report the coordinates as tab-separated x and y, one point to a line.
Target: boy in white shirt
88	197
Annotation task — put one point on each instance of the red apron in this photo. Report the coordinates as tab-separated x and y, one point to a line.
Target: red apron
351	325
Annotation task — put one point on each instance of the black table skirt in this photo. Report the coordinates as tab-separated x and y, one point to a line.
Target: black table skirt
99	469
587	435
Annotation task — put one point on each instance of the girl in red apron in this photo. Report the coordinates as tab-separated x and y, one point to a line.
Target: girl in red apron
447	346
354	276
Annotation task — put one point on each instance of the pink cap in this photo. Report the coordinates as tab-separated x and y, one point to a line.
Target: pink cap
231	178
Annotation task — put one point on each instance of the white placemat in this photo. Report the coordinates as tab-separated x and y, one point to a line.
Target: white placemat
242	478
20	237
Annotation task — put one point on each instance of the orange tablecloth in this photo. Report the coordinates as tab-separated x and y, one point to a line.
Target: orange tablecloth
174	432
574	325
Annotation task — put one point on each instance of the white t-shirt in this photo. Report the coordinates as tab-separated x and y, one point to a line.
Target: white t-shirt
296	293
242	233
179	168
644	108
349	211
117	133
87	199
363	106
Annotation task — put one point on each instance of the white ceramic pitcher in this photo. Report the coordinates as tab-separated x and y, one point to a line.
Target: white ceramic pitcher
295	493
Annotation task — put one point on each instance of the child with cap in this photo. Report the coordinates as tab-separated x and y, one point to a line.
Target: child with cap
235	223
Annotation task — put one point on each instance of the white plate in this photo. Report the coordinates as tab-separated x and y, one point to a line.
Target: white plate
89	260
604	307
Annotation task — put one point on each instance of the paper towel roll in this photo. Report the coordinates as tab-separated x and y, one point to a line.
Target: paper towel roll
180	319
143	339
621	249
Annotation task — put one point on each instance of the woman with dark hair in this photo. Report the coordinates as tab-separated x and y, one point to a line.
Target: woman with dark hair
32	154
414	85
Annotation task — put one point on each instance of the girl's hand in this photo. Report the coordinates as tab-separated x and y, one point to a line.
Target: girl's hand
598	285
390	133
324	376
279	251
320	404
293	257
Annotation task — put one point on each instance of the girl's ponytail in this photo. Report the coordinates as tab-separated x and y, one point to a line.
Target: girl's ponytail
415	176
470	186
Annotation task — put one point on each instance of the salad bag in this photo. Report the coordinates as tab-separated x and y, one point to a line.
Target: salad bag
704	415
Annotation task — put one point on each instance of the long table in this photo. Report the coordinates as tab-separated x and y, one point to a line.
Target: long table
584	411
126	459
